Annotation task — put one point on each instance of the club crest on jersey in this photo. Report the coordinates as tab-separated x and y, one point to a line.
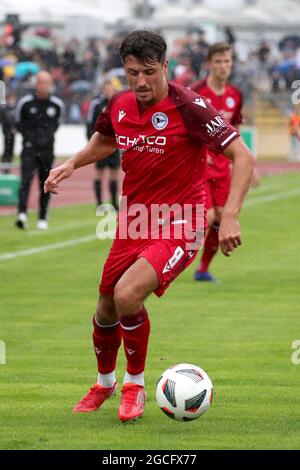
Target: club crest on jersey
230	102
160	121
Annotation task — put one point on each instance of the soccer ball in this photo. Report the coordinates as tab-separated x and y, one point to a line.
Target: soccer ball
184	392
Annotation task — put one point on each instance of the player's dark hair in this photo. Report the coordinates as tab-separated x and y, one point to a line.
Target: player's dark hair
217	48
146	46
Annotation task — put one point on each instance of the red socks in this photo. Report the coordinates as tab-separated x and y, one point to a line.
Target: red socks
107	340
135	332
211	246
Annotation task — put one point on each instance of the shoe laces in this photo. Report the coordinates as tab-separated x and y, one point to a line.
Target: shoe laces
89	398
130	393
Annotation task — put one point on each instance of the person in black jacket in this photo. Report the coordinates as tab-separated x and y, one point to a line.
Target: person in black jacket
7	119
112	162
37	118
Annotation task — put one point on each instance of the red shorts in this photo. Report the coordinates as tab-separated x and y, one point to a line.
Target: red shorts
217	191
169	258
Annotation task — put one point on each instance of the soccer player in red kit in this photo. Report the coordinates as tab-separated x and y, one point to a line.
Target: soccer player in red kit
163	131
228	100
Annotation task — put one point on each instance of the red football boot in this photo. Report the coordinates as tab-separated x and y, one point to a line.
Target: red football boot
132	402
94	398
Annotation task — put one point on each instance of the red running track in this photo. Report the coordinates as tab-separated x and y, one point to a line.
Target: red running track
79	188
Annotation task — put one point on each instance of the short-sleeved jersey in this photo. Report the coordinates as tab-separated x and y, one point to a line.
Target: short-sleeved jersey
229	104
98	105
164	146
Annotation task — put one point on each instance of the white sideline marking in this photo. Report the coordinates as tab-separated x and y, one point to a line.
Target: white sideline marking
45	248
265	188
61	228
55	246
272	197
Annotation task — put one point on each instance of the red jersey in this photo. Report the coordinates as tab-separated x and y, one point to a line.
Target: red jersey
229	105
164	146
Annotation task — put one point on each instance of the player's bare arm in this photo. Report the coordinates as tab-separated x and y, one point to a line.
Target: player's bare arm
98	148
242	172
255	181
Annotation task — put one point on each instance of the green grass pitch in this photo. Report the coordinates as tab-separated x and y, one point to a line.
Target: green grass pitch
240	331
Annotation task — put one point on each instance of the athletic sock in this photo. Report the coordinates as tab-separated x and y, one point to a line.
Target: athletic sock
106	380
137	379
107	340
113	187
211	246
135	332
98	191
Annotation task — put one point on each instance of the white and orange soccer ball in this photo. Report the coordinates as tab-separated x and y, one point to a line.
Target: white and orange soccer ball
184	392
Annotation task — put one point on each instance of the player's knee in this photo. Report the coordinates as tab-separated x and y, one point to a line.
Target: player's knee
106	310
125	297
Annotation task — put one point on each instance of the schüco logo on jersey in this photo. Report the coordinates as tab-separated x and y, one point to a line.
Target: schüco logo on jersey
126	141
215	126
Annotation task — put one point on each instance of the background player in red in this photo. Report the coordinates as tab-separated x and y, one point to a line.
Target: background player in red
163	131
112	162
228	100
